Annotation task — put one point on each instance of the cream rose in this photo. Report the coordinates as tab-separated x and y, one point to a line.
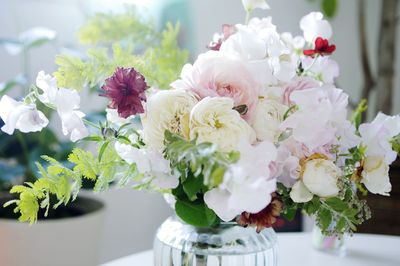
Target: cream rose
214	120
320	177
267	120
375	175
167	110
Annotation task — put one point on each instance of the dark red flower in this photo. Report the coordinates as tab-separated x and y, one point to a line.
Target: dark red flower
125	88
227	31
263	219
322	47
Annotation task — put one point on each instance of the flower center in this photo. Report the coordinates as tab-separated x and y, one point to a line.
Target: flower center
125	89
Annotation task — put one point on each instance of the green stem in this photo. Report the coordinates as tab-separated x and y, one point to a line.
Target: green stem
247	17
89	123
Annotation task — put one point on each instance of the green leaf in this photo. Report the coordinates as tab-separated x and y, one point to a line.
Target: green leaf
195	213
102	149
95	138
336	204
325	217
329	7
192	186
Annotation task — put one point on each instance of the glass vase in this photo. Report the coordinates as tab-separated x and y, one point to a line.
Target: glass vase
330	244
179	244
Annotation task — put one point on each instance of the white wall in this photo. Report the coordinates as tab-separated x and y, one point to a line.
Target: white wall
132	216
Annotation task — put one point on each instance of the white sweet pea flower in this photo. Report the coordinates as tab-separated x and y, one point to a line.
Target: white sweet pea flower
114	118
214	120
267	119
375	175
250	5
322	68
167	110
294	43
313	25
300	193
247	185
150	163
286	167
320	177
376	136
18	115
48	85
73	125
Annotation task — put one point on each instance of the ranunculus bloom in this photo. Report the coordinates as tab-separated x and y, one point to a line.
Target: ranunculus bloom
297	84
216	74
167	110
125	88
214	120
322	47
18	115
314	25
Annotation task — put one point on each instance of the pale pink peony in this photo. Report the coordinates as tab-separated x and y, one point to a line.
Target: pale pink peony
216	74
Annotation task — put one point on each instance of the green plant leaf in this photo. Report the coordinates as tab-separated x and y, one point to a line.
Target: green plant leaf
329	7
193	185
336	204
195	213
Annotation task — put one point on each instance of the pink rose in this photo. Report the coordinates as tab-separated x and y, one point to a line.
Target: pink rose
216	74
295	85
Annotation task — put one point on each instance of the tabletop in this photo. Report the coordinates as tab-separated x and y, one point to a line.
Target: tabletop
296	249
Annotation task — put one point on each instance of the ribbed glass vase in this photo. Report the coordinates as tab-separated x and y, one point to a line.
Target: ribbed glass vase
179	244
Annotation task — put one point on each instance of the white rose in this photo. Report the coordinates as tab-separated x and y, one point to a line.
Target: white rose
214	120
313	25
375	175
167	110
320	177
267	120
249	5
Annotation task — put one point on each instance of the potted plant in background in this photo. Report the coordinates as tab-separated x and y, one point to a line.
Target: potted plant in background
254	129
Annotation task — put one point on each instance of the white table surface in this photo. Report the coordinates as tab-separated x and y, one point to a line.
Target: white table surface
295	250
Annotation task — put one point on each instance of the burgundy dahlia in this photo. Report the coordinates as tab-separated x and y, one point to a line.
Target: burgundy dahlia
265	218
125	88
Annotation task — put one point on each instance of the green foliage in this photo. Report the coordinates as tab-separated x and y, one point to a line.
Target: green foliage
85	163
395	142
160	61
196	213
329	7
105	28
356	116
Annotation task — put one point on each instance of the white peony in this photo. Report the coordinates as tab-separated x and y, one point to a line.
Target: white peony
314	25
375	175
267	119
167	110
320	177
150	163
249	5
214	120
376	136
247	185
18	115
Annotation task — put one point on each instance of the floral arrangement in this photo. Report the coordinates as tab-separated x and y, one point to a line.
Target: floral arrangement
255	128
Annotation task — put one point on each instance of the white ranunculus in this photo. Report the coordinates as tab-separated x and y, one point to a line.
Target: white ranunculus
48	85
320	177
249	5
18	115
167	110
214	120
375	175
267	120
300	193
376	136
150	163
314	25
247	185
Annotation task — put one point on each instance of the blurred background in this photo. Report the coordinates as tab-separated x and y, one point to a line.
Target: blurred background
33	32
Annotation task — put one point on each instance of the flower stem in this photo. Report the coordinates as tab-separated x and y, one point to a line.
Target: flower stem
89	123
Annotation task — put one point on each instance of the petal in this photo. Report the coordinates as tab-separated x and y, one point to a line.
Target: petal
217	200
300	193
